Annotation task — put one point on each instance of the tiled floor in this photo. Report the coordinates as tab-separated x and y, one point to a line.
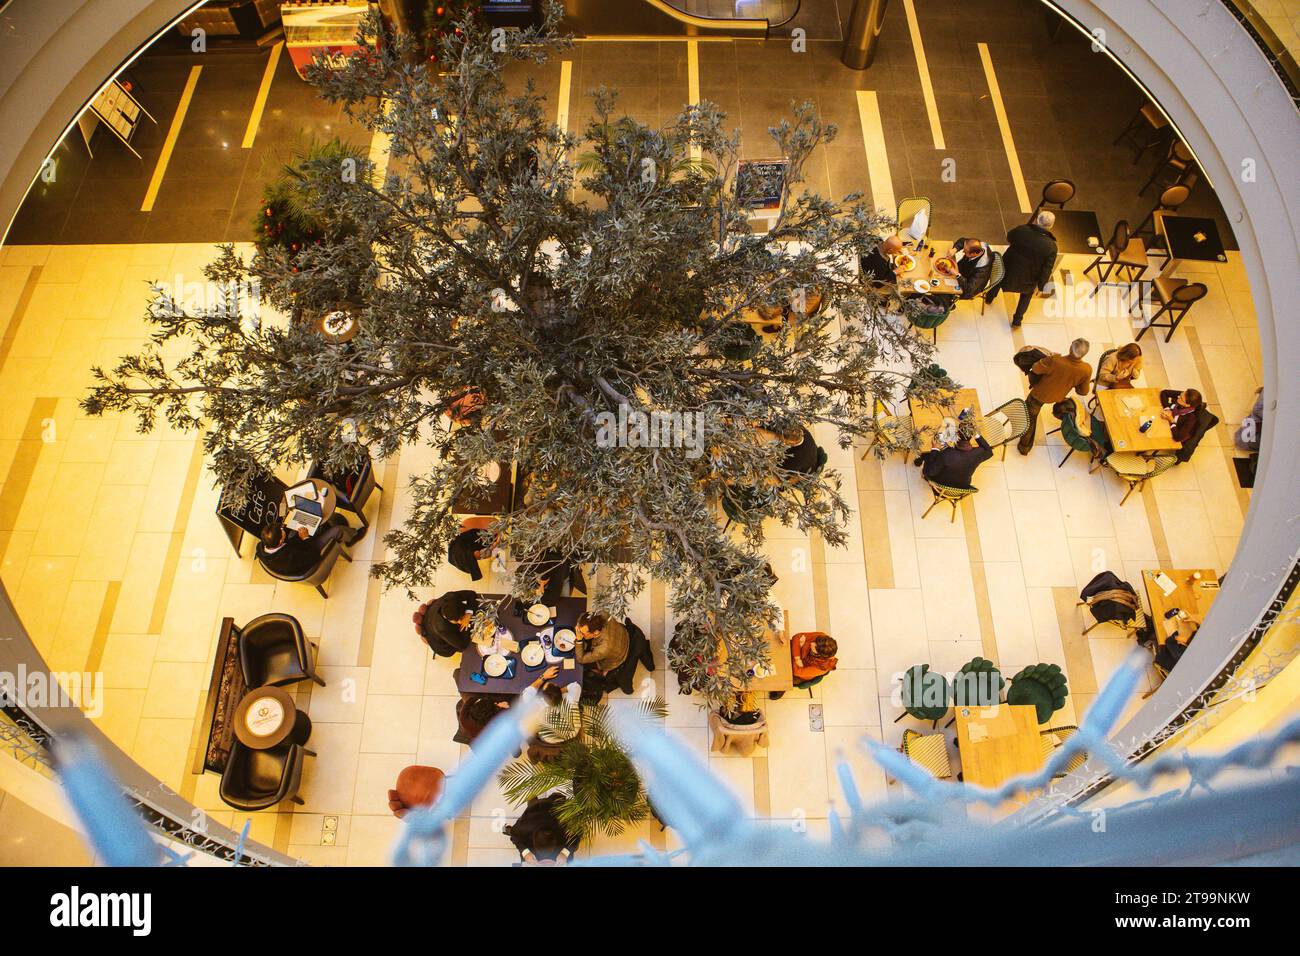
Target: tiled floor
143	601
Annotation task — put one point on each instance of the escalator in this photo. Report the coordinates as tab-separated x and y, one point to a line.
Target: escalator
675	18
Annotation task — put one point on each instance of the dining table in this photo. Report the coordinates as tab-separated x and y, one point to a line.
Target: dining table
998	743
927	417
779	674
471	678
1125	409
1194	238
1190	591
923	272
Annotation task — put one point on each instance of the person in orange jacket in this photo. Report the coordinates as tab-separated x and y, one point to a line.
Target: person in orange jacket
812	656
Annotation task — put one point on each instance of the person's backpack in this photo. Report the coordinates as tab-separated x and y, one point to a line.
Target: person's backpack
1026	358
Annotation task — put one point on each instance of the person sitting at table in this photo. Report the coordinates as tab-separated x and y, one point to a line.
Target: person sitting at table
1086	425
553	570
293	554
538	834
878	265
1120	367
602	642
812	657
1169	648
955	467
475	711
974	266
468	548
1179	410
444	623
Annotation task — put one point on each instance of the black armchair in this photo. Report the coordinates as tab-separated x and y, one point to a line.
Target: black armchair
1205	422
272	650
257	779
318	575
354	487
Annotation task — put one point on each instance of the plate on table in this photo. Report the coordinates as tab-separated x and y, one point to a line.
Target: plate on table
491	472
565	640
921	285
945	266
532	654
494	665
538	615
904	263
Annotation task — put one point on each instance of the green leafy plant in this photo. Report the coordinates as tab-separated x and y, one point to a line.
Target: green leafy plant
589	767
293	214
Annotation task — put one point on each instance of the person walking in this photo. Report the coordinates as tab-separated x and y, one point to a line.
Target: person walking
1057	375
1028	262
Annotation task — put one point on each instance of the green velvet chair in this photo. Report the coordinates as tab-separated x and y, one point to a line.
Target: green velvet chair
926	695
1043	686
978	684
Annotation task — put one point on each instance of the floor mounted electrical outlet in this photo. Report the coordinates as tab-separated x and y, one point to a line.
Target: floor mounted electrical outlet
815	722
329	831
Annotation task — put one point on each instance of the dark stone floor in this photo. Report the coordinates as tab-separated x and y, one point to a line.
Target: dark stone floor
1065	105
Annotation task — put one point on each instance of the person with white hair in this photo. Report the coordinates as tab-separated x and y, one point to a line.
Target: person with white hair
1057	375
1028	261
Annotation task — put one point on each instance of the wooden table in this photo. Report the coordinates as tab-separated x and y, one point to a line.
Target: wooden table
927	419
567	611
998	743
924	269
1190	595
778	651
1122	423
326	497
265	717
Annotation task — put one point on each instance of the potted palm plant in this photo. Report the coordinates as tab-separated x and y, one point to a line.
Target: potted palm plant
584	762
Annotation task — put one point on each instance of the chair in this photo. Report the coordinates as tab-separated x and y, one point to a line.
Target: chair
1056	737
1111	610
1137	470
951	495
1176	169
899	430
997	272
258	779
354	487
1041	685
273	651
317	576
926	694
1077	441
1124	255
416	786
1169	201
1205	420
908	209
736	739
997	434
979	683
1176	297
933	318
740	342
1093	404
929	751
1147	129
1056	193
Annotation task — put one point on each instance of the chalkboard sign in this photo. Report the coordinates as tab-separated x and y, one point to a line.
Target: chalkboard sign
259	508
759	183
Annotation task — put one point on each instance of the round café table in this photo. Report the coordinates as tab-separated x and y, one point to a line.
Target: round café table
338	328
266	717
326	496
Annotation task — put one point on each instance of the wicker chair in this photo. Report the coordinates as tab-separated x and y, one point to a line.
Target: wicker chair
1056	737
929	751
899	428
951	495
997	434
1137	470
997	273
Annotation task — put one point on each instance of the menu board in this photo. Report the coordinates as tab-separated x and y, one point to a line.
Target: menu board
260	507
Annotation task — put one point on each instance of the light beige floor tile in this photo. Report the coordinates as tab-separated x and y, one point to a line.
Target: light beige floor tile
329	779
175	688
391	725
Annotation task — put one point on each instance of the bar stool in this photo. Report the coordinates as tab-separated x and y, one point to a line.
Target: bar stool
1176	297
1177	167
1124	256
1056	193
1147	129
1169	201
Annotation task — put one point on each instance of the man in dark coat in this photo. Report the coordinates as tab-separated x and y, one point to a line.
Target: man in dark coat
445	622
1028	261
292	554
974	265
